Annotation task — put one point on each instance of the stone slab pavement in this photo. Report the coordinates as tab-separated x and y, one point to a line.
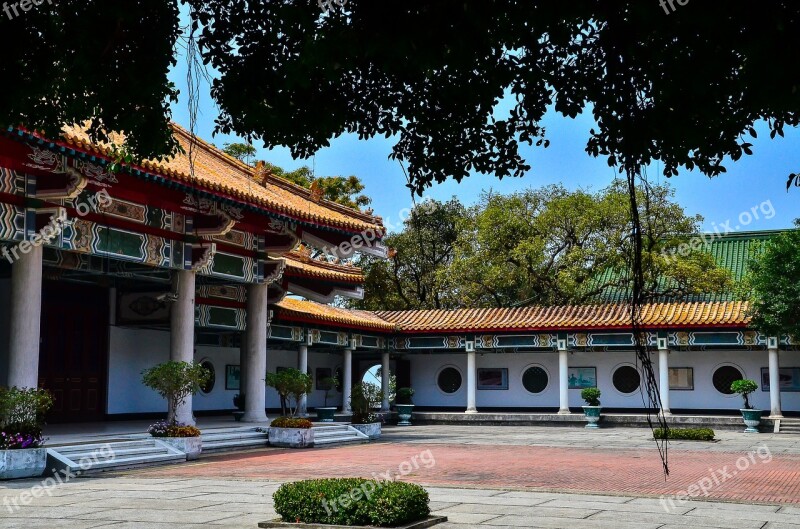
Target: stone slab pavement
477	476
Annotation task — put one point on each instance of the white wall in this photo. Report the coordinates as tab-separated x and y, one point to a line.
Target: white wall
425	369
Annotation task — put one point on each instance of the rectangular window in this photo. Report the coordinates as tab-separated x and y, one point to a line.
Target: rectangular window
681	378
493	378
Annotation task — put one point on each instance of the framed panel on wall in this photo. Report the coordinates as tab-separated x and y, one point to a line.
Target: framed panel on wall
789	378
681	378
493	378
233	378
582	377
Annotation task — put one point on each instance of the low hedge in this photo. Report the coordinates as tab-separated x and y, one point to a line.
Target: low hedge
690	434
291	422
351	501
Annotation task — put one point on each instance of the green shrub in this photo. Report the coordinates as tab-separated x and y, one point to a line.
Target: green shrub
175	381
351	501
290	383
690	434
364	398
404	396
591	396
291	422
22	416
744	388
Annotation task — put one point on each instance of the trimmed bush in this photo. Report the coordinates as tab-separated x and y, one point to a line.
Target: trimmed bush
591	396
290	422
351	501
168	429
689	434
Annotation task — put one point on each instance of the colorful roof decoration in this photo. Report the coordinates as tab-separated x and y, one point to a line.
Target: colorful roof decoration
299	264
291	309
608	316
221	173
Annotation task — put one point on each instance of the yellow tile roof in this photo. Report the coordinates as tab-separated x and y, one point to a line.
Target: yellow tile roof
221	173
312	312
299	264
658	315
564	318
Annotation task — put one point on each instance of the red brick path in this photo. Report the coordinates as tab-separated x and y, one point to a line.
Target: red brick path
523	467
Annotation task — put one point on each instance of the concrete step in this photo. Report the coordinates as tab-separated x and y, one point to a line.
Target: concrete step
233	439
340	434
94	457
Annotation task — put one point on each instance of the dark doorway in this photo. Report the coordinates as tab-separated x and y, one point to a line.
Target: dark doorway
73	357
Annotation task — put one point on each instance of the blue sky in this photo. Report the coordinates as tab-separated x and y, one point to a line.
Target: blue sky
757	181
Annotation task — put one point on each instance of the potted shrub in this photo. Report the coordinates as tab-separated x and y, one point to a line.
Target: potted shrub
364	398
184	437
592	409
238	403
21	419
352	502
175	381
291	432
750	415
404	405
325	413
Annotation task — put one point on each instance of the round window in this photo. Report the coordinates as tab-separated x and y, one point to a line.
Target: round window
208	386
449	380
723	378
626	379
535	379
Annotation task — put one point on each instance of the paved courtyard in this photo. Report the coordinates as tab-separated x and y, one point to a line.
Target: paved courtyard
477	476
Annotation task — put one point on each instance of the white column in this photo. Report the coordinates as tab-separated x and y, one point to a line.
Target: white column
347	380
243	366
385	381
26	313
563	382
472	381
774	385
663	380
181	337
255	400
302	365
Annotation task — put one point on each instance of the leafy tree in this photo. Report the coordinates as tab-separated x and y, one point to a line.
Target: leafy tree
291	73
365	397
240	151
550	246
345	190
744	388
774	283
175	381
290	383
540	246
415	276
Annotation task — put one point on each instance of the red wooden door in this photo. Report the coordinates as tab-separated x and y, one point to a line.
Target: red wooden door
73	356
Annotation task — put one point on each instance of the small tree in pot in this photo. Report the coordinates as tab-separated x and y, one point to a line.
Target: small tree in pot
364	398
175	381
592	409
751	416
328	384
404	406
291	385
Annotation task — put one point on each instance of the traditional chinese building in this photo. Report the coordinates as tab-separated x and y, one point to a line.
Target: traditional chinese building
105	273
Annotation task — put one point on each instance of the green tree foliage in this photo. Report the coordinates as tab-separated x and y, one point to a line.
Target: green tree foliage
774	285
744	388
175	381
293	74
415	276
290	384
241	151
24	408
547	246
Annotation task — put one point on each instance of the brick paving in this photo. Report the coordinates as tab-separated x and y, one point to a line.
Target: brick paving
759	477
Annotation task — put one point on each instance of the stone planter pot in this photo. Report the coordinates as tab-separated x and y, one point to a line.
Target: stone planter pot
404	414
191	446
430	521
592	414
237	416
325	414
752	419
291	437
27	463
372	430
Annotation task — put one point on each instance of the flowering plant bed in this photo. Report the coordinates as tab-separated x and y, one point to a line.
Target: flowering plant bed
183	437
291	422
21	418
352	502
